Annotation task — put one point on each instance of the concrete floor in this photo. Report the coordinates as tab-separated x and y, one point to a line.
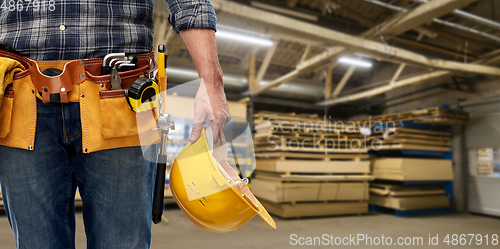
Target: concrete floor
181	233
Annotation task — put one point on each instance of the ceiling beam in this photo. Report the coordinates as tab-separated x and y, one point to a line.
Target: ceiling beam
265	64
375	49
251	71
328	83
422	14
307	66
399	84
416	80
397	73
343	81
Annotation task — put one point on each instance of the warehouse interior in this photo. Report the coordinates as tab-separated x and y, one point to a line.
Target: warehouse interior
304	74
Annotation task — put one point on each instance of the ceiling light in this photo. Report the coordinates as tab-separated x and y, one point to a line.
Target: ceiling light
243	38
355	62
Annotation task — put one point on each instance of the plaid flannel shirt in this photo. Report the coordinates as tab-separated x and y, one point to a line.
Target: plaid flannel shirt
78	29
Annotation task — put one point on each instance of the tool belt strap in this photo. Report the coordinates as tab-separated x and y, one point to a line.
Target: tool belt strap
75	72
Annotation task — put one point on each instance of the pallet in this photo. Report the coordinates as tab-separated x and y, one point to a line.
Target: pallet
311	177
410	202
316	209
398	190
412	169
282	192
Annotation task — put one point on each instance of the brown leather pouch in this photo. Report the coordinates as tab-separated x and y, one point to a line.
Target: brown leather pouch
56	89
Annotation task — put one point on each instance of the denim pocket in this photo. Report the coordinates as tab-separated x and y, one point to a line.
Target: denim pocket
6	113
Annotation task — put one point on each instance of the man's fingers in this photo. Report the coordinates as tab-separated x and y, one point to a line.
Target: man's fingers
196	132
215	127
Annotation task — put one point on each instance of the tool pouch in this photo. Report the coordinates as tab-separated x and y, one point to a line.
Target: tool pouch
18	113
107	120
56	89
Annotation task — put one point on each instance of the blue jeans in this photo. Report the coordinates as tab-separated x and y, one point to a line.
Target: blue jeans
38	187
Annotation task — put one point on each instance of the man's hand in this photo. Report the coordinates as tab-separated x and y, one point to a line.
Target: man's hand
210	101
210	104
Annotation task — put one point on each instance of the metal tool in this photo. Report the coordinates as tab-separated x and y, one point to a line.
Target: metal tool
133	60
105	68
165	122
116	81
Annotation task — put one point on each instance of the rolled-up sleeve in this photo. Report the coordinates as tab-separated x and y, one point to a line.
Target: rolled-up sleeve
187	14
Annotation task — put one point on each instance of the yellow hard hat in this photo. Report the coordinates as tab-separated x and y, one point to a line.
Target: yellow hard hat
209	191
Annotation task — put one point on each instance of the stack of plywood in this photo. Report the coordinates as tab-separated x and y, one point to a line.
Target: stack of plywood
435	115
299	177
485	161
412	169
404	197
398	138
306	133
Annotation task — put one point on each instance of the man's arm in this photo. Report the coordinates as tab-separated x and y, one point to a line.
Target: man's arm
195	21
210	101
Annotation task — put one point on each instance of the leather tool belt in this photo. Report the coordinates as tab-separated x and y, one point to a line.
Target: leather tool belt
107	122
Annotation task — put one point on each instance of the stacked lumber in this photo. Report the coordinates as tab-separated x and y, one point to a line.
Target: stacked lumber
435	116
306	167
485	161
412	169
406	197
399	138
306	133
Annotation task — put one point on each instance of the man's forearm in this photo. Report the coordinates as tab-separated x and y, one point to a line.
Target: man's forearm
203	49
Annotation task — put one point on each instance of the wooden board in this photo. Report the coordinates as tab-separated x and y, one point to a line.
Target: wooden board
315	209
401	130
271	148
411	169
412	147
319	126
415	202
309	178
417	141
398	190
435	115
312	166
311	156
279	192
